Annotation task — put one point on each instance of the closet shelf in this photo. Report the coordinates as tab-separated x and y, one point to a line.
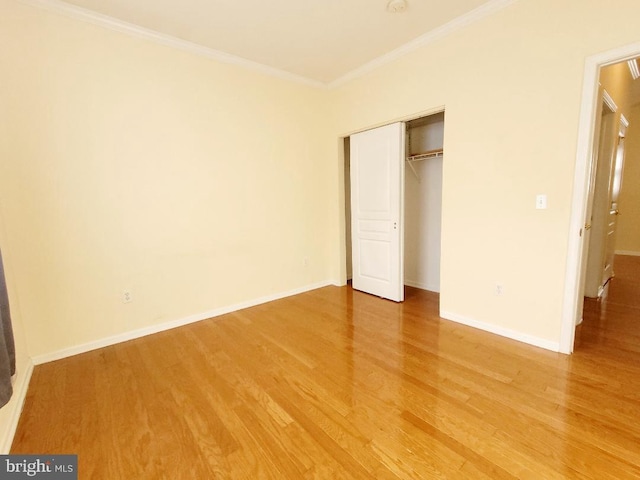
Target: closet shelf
417	157
424	155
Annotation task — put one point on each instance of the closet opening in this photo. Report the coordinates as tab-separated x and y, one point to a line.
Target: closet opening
421	166
423	202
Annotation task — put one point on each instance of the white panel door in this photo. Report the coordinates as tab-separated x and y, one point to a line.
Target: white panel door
585	232
607	138
614	192
377	200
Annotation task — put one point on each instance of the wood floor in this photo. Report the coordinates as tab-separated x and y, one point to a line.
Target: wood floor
337	384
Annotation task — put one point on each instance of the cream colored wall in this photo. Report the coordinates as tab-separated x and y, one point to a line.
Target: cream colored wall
628	234
129	165
511	85
9	414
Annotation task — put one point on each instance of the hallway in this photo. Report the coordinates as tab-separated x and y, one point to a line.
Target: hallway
611	326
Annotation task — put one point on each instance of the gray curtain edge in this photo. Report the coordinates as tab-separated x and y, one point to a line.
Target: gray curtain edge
7	346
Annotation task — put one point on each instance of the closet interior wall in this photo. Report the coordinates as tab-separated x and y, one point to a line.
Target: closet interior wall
423	202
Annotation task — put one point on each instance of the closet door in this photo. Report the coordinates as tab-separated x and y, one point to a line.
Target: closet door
377	202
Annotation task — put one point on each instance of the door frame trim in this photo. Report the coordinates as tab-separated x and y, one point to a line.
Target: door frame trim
584	159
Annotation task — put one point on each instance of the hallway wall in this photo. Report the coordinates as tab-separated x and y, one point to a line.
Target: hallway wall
628	241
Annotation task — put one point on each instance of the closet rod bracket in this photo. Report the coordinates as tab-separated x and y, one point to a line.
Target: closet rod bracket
418	157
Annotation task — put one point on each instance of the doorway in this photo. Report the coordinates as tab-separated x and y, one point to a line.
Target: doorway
580	219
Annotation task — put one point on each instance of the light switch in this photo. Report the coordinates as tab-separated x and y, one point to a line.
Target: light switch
541	202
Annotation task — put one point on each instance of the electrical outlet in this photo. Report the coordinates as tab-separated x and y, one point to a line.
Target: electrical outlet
499	289
305	262
126	296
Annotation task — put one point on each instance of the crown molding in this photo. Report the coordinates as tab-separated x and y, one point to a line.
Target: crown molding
458	23
633	68
608	100
89	16
105	21
623	121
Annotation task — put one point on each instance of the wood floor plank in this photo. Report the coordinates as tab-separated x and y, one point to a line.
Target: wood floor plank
334	383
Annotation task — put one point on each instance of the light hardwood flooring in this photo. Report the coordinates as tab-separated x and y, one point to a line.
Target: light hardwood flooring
338	384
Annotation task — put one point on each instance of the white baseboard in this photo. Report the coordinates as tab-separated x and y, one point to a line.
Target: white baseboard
628	252
503	332
142	332
423	286
15	407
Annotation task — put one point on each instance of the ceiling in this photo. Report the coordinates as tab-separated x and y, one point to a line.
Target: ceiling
320	40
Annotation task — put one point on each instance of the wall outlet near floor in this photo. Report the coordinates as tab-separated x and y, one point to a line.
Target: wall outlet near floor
126	296
305	262
499	289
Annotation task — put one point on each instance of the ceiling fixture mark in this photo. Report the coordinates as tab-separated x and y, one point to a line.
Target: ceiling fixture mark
396	6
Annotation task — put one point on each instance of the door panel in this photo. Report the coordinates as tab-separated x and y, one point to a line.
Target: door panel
377	196
588	218
375	259
600	204
616	185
